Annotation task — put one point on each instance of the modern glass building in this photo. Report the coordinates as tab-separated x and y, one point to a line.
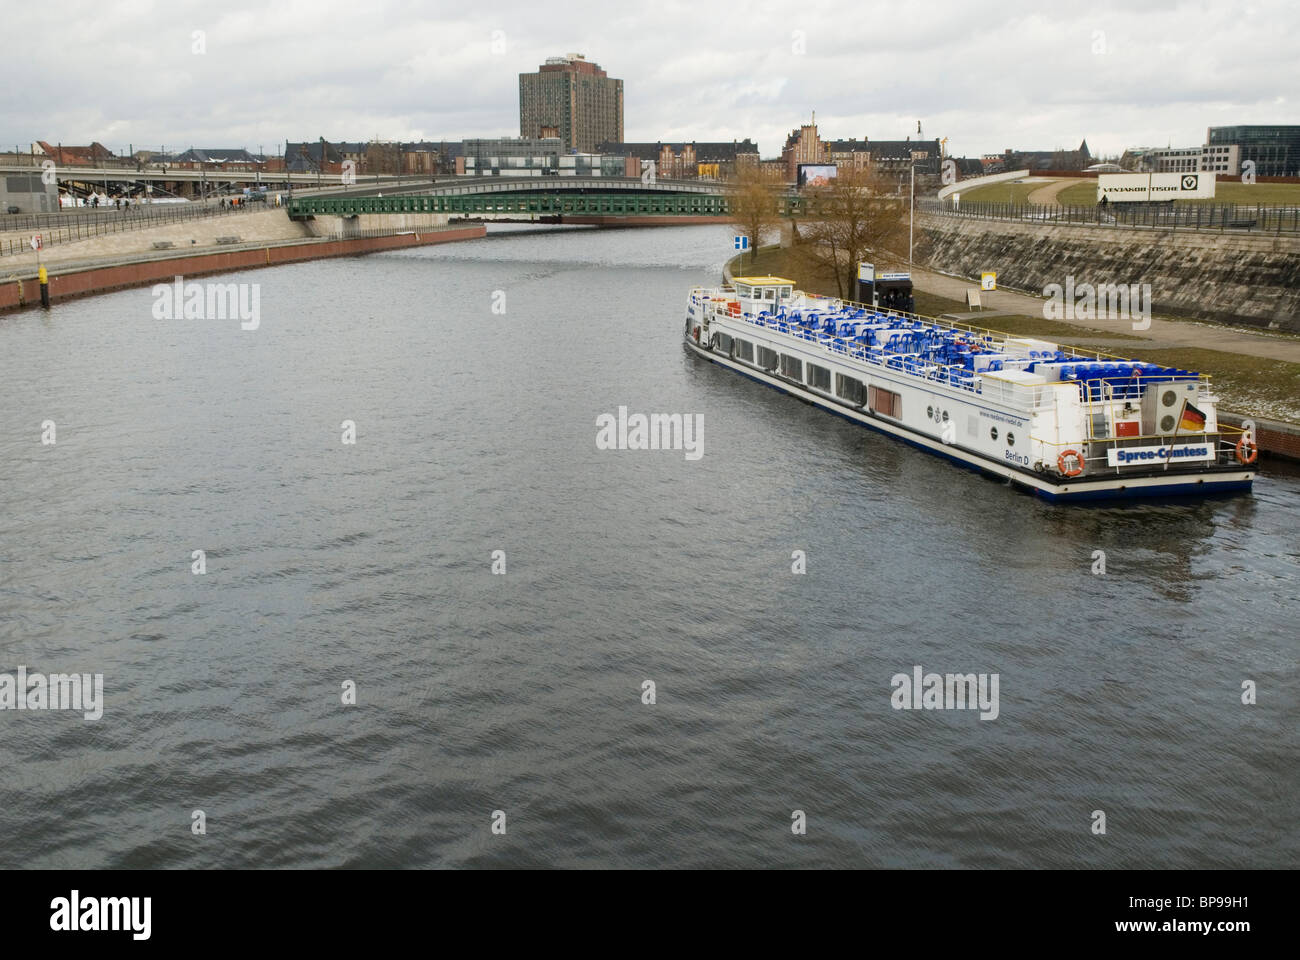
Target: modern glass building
1274	149
535	157
513	156
575	98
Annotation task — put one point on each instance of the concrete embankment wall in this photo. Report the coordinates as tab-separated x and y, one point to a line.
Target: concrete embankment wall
358	225
90	280
1234	278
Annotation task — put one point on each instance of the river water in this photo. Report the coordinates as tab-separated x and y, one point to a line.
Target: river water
371	564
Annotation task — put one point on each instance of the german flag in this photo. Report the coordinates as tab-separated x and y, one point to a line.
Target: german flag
1193	420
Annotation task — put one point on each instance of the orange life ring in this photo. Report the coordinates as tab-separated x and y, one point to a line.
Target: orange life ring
1060	463
1254	450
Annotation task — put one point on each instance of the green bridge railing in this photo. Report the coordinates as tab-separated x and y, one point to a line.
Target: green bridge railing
620	203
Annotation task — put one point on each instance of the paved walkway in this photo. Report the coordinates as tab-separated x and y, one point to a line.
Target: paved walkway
1046	196
1161	333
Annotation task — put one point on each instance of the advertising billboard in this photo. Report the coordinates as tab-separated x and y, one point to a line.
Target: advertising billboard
1145	187
816	174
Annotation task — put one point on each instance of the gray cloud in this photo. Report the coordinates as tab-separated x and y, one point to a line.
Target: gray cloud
985	78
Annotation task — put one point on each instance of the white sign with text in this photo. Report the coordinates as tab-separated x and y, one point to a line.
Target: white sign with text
1143	187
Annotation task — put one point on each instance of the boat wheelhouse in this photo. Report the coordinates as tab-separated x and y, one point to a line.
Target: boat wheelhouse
1068	425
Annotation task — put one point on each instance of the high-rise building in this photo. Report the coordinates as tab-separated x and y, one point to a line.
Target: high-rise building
575	97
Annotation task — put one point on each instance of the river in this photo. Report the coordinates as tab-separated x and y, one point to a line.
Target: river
474	374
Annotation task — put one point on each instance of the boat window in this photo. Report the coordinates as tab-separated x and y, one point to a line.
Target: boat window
1011	439
993	433
769	293
819	377
792	367
724	342
886	403
744	350
768	358
785	292
847	388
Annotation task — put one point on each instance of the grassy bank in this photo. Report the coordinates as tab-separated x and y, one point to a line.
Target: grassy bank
1265	388
1011	192
1085	192
1246	384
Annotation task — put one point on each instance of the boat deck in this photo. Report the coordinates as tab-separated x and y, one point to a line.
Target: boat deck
957	355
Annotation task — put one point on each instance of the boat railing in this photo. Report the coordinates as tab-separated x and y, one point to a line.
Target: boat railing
1095	451
1026	396
1126	381
953	375
957	325
987	334
895	354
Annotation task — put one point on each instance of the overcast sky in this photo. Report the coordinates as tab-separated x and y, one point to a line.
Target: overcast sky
125	71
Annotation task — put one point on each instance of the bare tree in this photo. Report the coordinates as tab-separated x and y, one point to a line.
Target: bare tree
856	214
755	198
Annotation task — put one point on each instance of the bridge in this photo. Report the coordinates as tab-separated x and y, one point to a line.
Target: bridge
576	199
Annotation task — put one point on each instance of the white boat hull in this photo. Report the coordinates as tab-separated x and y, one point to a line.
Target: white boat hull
1155	484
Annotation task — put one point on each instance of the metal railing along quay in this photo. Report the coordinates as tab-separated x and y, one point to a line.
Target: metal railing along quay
83	224
1205	217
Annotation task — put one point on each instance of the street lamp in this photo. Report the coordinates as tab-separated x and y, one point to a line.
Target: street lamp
911	216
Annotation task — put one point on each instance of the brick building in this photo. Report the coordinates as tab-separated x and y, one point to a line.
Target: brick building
573	98
715	160
805	145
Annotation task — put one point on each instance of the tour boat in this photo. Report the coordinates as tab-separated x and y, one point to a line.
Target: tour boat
1065	425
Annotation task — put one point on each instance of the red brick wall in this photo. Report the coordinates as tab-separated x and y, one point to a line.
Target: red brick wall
1275	438
1279	444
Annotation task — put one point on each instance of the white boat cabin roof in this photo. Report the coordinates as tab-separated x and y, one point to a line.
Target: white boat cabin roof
776	289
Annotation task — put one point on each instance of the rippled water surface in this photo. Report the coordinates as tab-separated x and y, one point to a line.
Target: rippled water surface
521	692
